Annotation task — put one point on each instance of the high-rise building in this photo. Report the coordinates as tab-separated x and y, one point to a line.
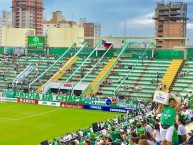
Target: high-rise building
5	21
170	22
57	21
28	14
91	30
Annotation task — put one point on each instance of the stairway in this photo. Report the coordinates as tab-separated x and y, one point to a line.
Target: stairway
171	73
59	74
99	76
176	76
69	64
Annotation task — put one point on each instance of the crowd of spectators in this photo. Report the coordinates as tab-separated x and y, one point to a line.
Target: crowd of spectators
144	128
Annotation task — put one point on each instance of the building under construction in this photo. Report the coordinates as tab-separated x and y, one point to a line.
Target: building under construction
28	14
170	24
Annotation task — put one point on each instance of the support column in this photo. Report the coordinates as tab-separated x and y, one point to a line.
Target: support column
185	54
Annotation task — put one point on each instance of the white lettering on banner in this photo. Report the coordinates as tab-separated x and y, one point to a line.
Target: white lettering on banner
71	105
9	99
53	104
49	103
96	107
27	101
117	110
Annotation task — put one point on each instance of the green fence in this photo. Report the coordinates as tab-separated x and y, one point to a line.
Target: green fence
159	54
38	51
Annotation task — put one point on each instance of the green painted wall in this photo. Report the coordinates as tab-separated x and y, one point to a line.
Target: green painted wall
2	50
38	51
169	54
159	54
189	53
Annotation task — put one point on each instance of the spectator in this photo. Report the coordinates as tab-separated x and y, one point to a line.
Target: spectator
182	129
167	119
72	142
87	142
186	102
114	134
148	128
150	139
160	86
108	141
175	139
164	85
186	63
156	134
186	113
143	142
132	141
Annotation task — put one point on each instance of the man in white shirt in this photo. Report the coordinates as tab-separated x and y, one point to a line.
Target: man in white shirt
148	128
186	102
187	113
104	132
81	133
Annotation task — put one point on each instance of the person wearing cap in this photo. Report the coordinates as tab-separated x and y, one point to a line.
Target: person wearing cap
168	118
92	138
118	141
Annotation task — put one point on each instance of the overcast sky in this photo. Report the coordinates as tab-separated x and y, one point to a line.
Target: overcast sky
111	14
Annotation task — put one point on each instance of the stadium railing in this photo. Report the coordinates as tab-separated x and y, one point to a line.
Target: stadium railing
23	74
122	51
133	67
95	48
90	69
45	85
47	70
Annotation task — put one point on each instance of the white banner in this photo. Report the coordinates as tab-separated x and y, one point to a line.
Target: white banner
49	103
4	99
161	97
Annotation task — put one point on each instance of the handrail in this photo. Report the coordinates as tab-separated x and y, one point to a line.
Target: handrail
125	47
102	57
73	45
92	68
132	69
85	44
80	65
23	72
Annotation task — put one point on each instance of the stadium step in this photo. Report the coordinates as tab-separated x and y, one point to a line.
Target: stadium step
99	76
59	75
171	73
69	64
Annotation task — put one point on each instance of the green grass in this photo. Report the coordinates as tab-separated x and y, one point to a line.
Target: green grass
27	124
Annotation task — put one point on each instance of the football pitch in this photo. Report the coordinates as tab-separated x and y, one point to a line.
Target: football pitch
28	124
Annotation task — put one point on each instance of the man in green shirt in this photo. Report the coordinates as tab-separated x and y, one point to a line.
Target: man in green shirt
114	134
168	118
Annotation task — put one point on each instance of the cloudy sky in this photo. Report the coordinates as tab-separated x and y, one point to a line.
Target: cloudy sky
112	14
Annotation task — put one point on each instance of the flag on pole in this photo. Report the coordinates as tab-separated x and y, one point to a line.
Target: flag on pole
106	44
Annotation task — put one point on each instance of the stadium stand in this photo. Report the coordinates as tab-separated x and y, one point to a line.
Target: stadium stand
105	77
